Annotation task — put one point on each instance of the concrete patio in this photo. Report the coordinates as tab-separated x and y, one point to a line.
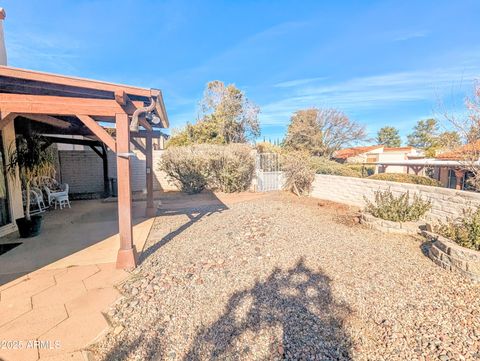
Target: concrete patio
54	287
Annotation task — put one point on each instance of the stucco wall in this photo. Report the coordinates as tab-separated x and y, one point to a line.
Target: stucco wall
14	188
446	203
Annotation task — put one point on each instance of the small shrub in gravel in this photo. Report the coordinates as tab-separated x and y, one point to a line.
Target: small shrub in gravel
228	168
298	171
397	209
464	231
406	178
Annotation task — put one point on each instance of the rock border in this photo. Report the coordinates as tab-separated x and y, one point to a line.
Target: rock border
410	228
453	257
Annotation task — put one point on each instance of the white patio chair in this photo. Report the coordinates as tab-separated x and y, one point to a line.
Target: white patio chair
53	195
40	199
35	202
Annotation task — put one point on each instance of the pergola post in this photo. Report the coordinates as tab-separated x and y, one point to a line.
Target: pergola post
150	210
127	254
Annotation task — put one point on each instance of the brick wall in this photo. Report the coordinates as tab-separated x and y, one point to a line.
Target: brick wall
446	203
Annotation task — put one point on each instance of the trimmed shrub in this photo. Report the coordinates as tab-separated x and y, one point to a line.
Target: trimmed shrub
326	166
362	169
186	167
232	168
398	209
406	178
465	231
298	171
228	168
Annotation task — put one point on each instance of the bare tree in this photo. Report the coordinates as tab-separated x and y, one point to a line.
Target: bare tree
468	126
322	131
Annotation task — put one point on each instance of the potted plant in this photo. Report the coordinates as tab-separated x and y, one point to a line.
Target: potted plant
28	158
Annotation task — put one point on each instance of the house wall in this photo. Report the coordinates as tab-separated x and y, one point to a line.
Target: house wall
446	203
83	171
14	187
393	157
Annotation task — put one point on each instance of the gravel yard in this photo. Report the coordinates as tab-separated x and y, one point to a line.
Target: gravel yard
281	277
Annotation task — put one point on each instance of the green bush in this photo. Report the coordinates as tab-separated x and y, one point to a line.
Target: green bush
362	169
398	209
186	167
464	231
326	166
228	168
232	168
298	172
406	178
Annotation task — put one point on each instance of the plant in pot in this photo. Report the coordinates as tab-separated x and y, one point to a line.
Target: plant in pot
29	159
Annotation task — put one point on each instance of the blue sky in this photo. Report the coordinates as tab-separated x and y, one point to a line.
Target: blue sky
382	62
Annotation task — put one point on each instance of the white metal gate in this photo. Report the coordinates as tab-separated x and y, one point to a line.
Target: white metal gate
269	176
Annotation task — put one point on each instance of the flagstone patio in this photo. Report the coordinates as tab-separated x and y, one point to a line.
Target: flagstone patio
54	287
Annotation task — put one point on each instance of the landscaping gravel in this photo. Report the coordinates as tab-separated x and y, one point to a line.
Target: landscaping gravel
282	277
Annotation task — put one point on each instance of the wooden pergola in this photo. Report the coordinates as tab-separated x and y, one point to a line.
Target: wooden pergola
62	105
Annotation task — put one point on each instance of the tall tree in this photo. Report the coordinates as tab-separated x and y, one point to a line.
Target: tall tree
389	137
322	131
425	135
448	140
227	116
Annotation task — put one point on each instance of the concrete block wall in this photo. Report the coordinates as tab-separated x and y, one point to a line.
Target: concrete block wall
82	170
446	203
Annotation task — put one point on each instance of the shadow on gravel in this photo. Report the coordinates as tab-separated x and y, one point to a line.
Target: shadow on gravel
297	303
195	207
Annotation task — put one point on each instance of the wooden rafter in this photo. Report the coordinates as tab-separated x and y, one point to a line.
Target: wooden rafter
48	119
98	130
5	118
72	81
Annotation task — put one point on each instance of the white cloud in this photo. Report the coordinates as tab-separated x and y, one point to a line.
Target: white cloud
297	82
415	34
371	92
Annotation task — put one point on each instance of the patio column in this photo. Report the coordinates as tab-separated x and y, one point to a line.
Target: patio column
127	254
150	210
459	173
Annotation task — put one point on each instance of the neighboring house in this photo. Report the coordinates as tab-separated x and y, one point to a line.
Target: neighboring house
358	154
378	153
453	173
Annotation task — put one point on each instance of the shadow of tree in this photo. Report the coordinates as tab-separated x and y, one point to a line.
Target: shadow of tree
298	302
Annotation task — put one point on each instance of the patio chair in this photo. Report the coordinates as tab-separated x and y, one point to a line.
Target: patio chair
36	202
62	193
40	198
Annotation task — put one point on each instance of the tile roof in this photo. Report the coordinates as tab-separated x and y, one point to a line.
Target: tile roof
354	151
463	152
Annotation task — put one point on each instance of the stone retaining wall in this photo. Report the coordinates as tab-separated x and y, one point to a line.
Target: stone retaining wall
446	203
390	226
453	257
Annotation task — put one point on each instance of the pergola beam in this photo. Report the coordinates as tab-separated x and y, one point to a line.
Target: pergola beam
71	81
55	105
